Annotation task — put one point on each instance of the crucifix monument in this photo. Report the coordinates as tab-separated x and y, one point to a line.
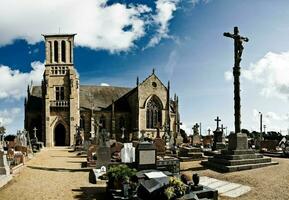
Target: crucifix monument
238	156
238	140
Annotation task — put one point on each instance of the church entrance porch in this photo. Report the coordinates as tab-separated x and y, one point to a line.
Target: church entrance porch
59	135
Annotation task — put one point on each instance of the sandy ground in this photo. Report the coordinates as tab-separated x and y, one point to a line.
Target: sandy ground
267	183
57	174
52	174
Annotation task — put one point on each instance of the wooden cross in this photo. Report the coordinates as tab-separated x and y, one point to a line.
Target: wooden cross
217	120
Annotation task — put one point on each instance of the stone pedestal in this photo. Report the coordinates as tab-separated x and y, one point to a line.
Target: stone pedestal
238	141
237	157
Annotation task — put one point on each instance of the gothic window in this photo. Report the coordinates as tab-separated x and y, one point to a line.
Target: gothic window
102	122
63	51
55	51
154	113
121	122
59	93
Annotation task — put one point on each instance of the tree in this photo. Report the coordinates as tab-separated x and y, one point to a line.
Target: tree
2	129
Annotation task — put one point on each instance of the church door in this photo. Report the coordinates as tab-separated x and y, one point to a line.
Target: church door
59	135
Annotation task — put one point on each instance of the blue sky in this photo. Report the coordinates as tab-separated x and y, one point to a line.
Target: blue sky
120	40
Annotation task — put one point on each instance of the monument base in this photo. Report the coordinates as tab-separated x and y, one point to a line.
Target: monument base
237	160
190	153
238	157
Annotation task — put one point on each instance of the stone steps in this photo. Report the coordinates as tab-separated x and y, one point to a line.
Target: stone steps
238	157
239	162
237	152
223	168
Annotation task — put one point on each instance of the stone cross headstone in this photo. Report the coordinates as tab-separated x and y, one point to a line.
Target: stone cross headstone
196	138
217	120
159	142
219	140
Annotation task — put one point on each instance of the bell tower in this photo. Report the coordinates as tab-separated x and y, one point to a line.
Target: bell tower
60	90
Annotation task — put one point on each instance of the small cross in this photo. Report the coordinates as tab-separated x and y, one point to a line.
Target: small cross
217	120
35	129
209	131
122	129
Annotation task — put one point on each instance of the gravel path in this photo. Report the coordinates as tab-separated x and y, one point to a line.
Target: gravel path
53	174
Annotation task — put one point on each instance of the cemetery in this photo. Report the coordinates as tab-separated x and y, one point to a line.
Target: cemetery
127	143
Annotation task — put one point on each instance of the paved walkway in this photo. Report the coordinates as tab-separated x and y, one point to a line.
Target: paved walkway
52	174
225	188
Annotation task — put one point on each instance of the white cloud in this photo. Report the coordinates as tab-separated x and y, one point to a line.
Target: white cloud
186	128
104	84
113	27
7	116
194	2
13	82
271	73
165	10
228	76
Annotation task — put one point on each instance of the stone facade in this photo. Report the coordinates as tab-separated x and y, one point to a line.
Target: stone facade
60	105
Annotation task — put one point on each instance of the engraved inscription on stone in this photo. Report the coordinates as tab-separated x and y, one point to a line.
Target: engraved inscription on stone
147	157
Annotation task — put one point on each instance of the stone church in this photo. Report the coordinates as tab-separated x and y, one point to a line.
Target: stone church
61	106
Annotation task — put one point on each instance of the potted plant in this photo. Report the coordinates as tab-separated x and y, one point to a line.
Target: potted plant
117	175
175	189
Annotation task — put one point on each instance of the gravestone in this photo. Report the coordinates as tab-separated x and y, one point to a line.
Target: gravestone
196	138
189	153
146	156
219	140
127	153
103	151
159	143
207	141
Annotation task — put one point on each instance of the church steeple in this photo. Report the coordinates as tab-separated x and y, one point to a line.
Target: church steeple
59	49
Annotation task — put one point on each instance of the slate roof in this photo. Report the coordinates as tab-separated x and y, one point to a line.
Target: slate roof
102	95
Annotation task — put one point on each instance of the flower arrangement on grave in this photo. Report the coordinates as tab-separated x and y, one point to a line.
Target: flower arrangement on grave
175	189
119	175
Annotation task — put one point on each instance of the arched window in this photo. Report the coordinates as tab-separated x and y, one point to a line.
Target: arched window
154	113
63	51
82	123
55	51
70	52
121	122
50	52
102	122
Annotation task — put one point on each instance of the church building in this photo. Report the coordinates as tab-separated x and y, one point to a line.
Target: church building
61	106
